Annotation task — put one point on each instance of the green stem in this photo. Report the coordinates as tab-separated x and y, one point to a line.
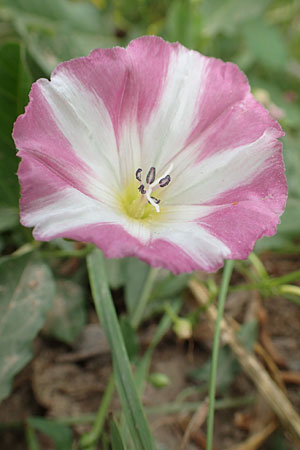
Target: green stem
31	438
139	311
131	404
215	352
179	407
88	440
285	279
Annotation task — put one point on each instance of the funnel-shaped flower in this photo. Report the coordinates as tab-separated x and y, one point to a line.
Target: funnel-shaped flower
152	151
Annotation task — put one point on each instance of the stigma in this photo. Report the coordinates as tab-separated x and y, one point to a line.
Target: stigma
152	183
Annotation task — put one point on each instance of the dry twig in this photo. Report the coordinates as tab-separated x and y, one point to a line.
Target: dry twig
257	439
195	423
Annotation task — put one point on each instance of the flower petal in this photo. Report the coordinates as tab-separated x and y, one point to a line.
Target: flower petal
52	206
208	179
250	211
173	116
177	251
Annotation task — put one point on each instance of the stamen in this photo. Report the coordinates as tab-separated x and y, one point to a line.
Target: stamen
152	201
138	175
167	172
141	188
165	181
152	185
150	176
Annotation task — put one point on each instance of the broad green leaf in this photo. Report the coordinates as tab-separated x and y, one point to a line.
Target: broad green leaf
115	436
136	273
57	30
131	405
26	294
266	44
14	87
59	433
67	316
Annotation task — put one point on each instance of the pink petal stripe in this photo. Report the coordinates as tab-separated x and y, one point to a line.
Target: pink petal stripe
148	59
37	184
115	242
238	125
251	211
224	86
37	136
127	80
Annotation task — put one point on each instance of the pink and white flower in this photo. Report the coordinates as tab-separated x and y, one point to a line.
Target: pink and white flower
154	151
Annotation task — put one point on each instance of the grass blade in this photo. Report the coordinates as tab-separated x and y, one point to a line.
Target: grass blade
132	408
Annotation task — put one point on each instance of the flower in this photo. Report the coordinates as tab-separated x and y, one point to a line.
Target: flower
154	151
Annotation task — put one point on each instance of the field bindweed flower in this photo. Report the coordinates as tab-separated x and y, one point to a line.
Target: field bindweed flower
154	151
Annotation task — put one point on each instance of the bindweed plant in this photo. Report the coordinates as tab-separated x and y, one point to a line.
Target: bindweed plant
152	160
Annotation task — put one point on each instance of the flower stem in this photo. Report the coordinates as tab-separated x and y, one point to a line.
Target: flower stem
215	353
139	311
89	440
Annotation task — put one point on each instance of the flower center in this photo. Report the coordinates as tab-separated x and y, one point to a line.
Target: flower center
139	201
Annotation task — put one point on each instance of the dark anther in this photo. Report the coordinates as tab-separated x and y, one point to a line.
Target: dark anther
165	181
142	189
150	176
138	174
156	200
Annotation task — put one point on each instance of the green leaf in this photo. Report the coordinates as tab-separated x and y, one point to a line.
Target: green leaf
170	286
67	316
136	273
266	43
57	30
247	334
131	405
115	272
228	366
59	433
115	436
130	338
14	87
26	294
